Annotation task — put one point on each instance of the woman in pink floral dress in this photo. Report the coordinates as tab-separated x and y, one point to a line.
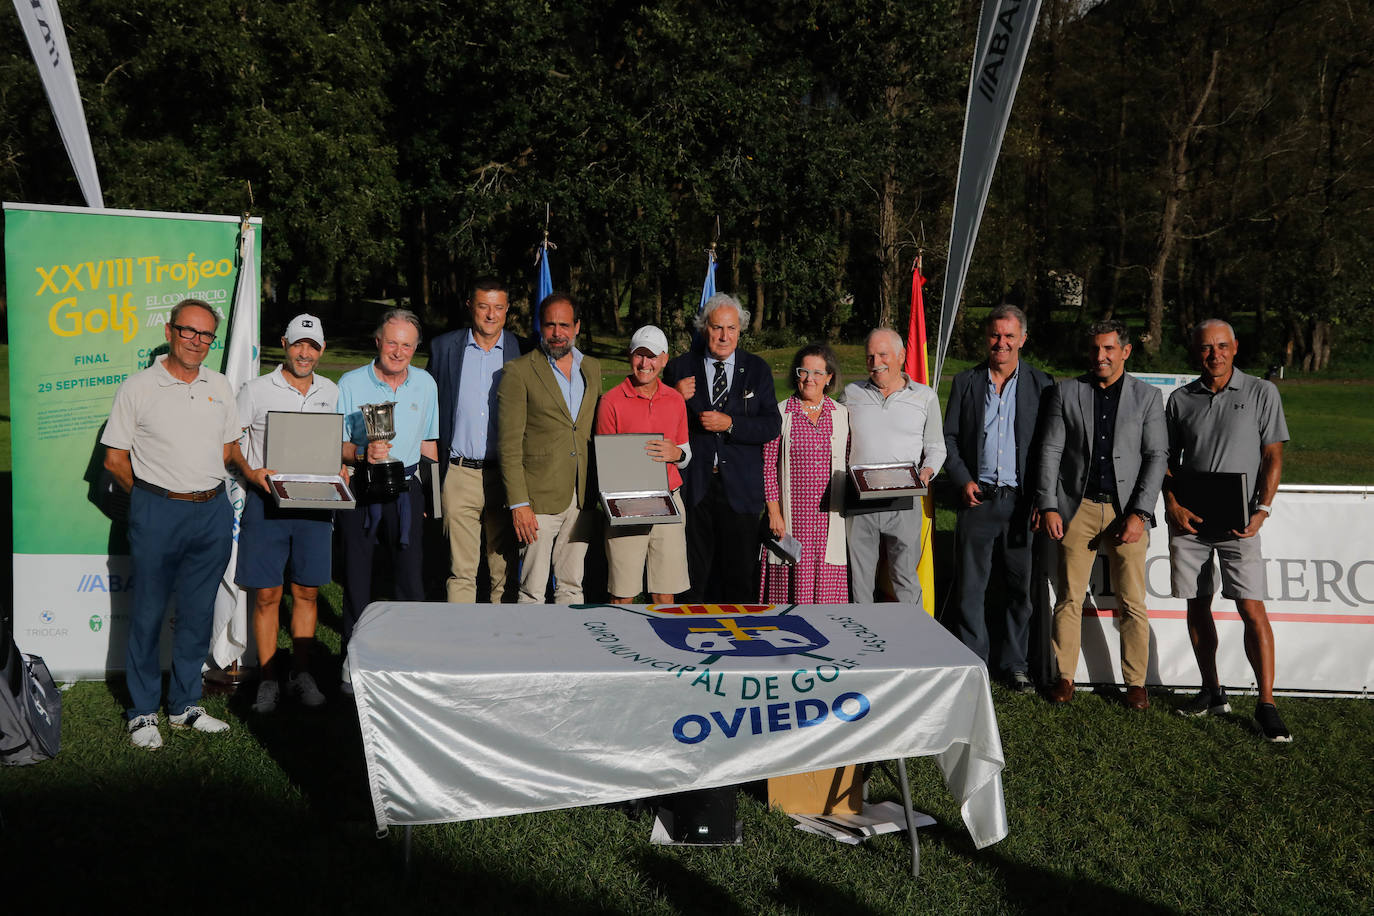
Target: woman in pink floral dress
803	482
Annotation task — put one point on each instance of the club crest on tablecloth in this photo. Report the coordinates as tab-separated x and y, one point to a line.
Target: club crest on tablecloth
751	637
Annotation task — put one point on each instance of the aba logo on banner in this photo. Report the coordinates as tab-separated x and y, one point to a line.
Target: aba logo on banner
750	637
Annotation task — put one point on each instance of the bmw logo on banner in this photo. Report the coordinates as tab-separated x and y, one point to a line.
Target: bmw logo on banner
749	637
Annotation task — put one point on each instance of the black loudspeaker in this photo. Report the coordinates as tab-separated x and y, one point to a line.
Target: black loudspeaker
704	816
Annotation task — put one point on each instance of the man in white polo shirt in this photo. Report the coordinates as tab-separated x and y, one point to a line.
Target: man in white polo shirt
891	419
172	430
269	536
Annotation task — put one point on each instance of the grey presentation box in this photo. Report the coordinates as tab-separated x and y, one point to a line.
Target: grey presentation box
303	448
886	481
634	487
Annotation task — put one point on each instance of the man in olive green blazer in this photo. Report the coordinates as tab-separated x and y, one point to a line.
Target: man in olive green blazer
546	410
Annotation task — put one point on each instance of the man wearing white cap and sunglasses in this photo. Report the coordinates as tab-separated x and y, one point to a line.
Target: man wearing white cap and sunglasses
652	555
269	537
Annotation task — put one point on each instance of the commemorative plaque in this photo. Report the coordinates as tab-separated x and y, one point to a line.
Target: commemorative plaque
634	487
886	481
304	450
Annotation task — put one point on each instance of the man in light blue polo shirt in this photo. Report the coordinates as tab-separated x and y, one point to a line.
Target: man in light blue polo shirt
393	523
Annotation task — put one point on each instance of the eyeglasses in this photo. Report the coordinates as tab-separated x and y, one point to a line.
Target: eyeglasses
804	374
188	333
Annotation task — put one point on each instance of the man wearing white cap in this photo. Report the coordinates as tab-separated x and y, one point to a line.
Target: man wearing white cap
641	404
269	536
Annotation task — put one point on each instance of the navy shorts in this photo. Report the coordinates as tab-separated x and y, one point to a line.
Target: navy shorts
269	537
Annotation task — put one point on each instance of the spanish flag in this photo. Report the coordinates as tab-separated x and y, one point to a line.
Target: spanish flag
918	368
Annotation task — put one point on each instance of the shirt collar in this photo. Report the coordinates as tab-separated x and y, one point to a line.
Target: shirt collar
280	380
166	378
499	345
630	391
377	379
576	366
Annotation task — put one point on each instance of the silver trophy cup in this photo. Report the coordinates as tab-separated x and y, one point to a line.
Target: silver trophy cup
385	479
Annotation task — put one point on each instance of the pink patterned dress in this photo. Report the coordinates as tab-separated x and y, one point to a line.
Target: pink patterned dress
812	580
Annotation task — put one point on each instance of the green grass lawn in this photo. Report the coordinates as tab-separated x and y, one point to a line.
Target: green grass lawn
1109	810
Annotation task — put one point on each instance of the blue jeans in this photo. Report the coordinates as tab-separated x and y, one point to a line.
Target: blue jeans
180	547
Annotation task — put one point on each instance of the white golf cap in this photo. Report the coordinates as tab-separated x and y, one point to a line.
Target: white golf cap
305	327
649	338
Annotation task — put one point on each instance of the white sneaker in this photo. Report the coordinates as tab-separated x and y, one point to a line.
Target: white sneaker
304	690
143	732
196	718
269	692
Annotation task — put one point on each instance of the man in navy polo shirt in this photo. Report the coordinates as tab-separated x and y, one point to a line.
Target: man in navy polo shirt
269	536
392	523
172	430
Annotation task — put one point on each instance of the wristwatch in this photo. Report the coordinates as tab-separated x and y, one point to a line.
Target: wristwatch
1265	509
1145	517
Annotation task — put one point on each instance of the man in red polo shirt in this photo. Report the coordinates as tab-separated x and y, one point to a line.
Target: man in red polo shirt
641	404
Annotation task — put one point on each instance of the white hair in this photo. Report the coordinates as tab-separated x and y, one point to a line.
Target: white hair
719	301
1206	323
896	338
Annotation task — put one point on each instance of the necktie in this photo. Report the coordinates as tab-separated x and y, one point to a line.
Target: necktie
718	386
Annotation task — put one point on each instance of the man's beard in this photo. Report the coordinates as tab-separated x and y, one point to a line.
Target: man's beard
556	351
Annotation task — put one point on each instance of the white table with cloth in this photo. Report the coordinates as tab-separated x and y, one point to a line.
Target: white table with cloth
473	711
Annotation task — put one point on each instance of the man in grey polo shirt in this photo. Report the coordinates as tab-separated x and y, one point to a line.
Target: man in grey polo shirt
891	419
173	428
1225	421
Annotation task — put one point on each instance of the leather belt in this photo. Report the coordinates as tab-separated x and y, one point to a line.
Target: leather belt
1103	498
474	463
196	496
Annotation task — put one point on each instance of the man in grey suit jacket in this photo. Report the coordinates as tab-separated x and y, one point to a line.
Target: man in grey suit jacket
990	423
1104	452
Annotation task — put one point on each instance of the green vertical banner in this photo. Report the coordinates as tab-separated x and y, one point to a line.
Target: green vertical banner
88	297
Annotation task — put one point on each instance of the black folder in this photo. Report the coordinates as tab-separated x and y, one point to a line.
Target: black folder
1222	498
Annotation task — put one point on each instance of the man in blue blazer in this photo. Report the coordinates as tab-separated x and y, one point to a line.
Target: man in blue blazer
990	421
731	413
467	365
1104	454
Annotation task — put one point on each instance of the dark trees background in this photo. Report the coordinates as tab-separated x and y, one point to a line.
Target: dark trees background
1167	160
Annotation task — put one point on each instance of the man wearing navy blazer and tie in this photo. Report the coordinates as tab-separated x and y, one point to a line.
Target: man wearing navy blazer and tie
467	365
990	421
732	412
1105	449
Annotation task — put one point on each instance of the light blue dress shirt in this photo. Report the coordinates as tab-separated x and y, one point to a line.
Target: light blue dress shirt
573	388
474	416
417	409
997	458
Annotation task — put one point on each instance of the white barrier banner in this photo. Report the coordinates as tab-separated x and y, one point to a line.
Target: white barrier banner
1319	595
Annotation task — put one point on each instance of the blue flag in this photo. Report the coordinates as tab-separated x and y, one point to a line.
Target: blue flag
545	283
708	288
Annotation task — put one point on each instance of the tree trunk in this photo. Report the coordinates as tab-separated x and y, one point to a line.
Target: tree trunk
1168	221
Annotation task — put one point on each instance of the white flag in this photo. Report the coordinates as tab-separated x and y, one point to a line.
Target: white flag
229	639
48	41
1004	34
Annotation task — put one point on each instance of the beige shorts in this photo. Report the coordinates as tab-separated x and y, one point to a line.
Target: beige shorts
655	552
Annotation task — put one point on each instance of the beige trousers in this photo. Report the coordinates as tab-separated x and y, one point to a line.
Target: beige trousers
561	544
1089	532
473	505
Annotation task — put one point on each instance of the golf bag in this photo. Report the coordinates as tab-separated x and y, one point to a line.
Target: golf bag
30	706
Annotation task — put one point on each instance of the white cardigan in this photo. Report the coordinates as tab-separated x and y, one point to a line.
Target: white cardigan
835	547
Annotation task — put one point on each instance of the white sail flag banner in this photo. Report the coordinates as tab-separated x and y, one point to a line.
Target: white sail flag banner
42	24
229	637
1004	34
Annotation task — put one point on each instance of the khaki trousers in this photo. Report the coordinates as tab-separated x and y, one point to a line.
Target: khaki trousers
473	505
561	544
1089	532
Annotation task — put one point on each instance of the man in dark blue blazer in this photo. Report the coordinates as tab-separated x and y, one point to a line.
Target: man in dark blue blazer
467	365
990	421
731	413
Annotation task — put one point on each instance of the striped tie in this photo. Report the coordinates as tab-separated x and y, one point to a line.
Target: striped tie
718	386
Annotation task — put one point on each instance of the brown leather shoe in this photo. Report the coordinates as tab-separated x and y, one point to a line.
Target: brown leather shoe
1137	698
1062	692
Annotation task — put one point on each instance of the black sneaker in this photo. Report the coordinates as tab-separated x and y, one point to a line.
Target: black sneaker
1270	725
1206	703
